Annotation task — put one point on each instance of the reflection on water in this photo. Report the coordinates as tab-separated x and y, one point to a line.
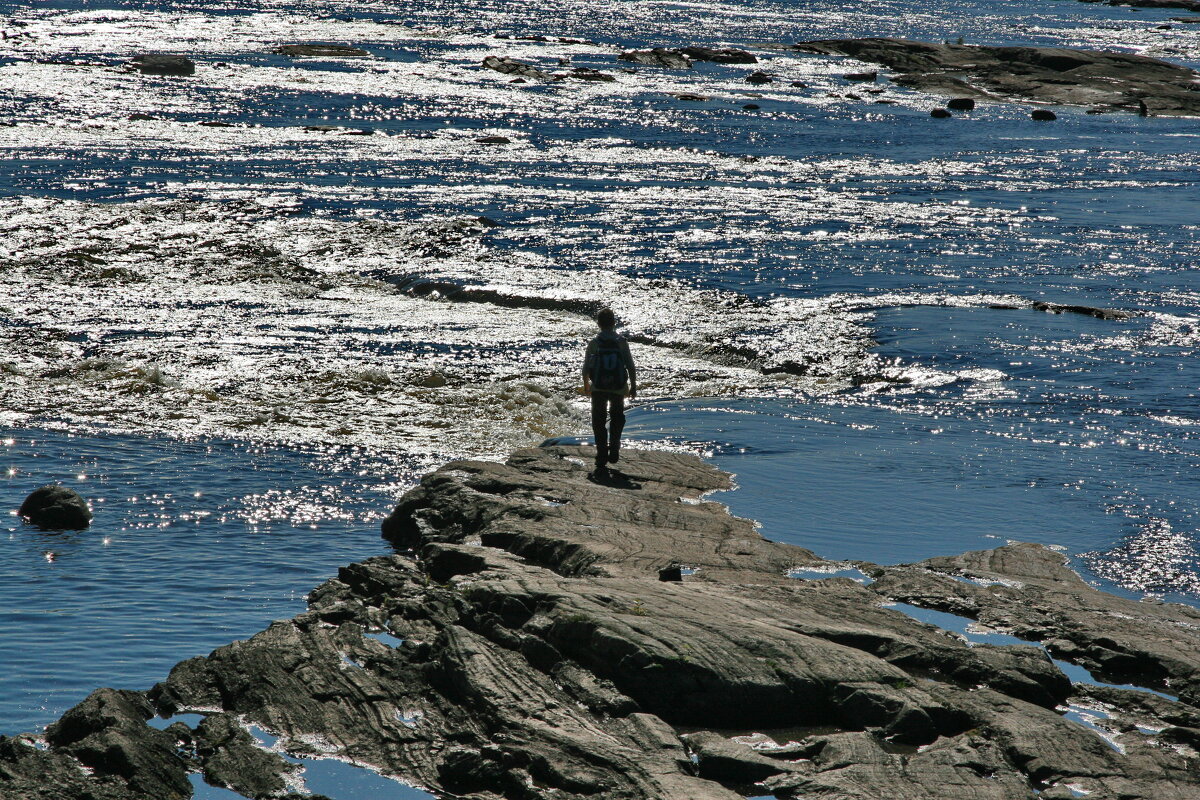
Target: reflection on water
193	544
308	317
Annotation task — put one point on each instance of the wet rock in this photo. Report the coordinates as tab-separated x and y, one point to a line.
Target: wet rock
758	78
137	116
961	104
233	759
595	75
940	113
163	64
510	66
1043	115
320	51
751	107
726	55
691	97
55	507
1187	5
542	658
868	77
658	57
732	763
493	140
107	733
214	123
1090	311
1040	74
1028	590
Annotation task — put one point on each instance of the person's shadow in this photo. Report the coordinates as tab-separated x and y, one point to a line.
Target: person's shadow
613	478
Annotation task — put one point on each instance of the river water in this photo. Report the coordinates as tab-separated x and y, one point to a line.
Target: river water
241	341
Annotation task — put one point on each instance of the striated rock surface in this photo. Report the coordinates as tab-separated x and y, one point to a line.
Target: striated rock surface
1037	74
521	644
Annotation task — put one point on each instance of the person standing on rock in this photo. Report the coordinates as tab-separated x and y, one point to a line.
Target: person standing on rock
608	376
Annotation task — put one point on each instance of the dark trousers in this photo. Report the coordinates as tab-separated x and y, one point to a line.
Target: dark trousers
610	408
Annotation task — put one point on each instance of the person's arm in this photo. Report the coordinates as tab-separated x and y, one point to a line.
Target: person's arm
629	368
589	357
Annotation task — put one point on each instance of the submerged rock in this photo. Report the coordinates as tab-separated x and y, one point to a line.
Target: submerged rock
56	507
1043	74
163	64
320	51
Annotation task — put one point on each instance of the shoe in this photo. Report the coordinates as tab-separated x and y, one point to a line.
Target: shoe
600	472
615	457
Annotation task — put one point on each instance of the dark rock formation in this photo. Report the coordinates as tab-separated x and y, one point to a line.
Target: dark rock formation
1043	115
540	655
55	507
658	57
163	64
588	74
493	140
868	77
691	97
320	51
940	113
718	55
758	78
1090	311
1042	74
510	66
1187	5
961	104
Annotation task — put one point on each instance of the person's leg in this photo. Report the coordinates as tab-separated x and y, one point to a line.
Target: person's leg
615	425
599	412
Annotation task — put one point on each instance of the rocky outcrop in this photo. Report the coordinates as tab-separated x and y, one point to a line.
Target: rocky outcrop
522	643
510	66
320	51
163	64
55	507
719	55
658	57
1036	74
1188	5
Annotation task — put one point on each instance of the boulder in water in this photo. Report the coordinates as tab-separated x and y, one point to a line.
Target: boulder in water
719	55
658	57
1043	115
961	104
56	507
163	64
940	113
510	66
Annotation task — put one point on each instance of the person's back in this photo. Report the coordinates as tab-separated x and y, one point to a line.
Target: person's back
608	376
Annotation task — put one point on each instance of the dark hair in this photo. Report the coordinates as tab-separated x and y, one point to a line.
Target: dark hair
606	318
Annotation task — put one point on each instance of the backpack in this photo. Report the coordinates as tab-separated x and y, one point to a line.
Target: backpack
608	368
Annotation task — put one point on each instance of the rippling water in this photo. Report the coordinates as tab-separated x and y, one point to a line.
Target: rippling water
242	341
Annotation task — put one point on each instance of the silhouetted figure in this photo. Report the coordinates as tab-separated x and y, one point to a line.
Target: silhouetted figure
608	376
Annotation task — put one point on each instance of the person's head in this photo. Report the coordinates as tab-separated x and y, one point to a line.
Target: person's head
606	319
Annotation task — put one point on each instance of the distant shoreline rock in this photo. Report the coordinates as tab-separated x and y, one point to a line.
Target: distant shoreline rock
1034	74
542	633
